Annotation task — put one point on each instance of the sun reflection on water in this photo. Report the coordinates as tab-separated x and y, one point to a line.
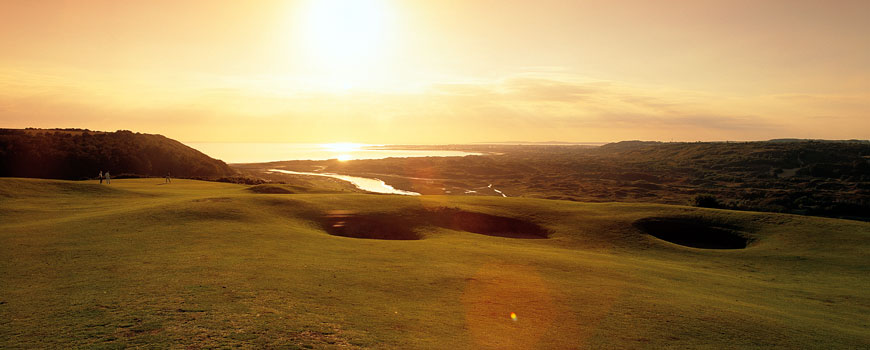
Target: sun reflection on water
343	147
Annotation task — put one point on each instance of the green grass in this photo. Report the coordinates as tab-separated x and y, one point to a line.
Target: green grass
212	265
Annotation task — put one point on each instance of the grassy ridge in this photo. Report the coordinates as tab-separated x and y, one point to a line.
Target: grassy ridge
205	264
76	154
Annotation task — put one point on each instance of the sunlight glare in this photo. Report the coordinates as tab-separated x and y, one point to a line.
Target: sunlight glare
345	38
343	147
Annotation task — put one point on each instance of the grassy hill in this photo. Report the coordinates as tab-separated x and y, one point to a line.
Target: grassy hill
213	265
81	154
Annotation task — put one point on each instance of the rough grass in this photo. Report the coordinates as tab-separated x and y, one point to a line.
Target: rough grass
211	265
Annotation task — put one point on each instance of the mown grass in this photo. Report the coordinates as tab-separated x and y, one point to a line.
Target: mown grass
212	265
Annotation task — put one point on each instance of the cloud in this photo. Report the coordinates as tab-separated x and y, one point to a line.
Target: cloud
547	90
566	104
544	106
712	122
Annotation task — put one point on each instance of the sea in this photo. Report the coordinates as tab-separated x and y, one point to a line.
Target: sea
271	152
238	153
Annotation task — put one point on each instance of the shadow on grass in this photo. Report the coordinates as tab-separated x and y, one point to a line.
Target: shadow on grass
693	232
405	225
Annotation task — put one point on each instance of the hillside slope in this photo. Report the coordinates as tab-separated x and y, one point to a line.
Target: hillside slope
196	264
81	154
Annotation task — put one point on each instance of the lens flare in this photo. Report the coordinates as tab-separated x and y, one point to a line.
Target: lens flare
513	316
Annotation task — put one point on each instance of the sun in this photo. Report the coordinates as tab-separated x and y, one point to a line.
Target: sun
345	37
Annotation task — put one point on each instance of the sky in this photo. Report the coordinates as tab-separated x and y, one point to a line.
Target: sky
446	71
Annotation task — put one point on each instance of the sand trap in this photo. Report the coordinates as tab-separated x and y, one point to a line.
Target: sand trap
692	232
485	224
374	226
405	225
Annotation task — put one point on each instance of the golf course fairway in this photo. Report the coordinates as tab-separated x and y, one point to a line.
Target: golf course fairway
193	264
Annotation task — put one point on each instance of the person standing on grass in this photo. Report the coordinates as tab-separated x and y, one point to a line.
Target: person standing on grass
101	176
108	178
168	179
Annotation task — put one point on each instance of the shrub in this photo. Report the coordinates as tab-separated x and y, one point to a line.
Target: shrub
706	201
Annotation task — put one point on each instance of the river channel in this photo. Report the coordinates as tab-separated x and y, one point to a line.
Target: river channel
365	184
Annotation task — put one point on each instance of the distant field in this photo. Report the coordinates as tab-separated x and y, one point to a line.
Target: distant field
817	178
196	264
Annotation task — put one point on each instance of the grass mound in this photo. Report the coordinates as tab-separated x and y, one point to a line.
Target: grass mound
14	188
297	185
272	189
692	232
405	225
